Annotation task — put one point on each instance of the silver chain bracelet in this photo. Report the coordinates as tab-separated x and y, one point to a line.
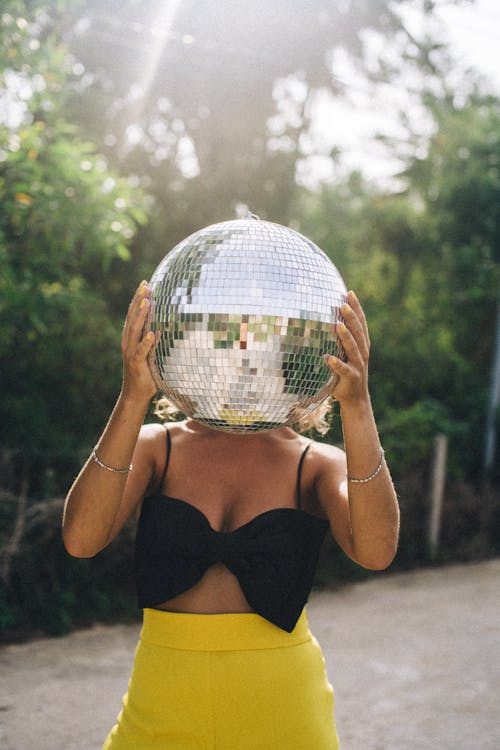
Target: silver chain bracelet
372	476
100	463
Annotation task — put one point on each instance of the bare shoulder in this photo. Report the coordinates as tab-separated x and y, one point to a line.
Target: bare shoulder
327	458
329	472
148	461
150	432
151	443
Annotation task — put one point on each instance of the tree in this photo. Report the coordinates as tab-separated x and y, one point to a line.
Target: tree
213	102
426	264
66	221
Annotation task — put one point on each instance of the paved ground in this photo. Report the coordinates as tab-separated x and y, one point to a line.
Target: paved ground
414	659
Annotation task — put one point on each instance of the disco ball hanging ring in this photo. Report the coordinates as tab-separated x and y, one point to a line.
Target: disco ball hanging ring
245	309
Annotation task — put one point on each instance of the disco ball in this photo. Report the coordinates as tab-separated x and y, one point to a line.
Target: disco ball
245	310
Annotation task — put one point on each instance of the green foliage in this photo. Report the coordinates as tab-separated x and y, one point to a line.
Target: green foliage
65	221
408	433
425	264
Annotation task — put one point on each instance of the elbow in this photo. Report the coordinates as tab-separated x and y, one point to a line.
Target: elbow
380	563
77	548
378	560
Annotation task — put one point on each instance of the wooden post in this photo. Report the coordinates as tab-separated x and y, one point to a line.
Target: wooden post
437	490
490	437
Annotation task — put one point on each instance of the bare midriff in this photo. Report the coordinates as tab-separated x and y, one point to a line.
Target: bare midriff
218	591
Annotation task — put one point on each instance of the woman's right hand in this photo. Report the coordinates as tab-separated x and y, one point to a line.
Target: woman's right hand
136	344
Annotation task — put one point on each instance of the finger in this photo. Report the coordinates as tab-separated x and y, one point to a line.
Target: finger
140	292
355	328
139	328
138	295
356	306
337	366
137	312
350	346
144	292
148	342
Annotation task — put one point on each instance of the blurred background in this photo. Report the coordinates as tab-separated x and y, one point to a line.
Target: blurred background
371	126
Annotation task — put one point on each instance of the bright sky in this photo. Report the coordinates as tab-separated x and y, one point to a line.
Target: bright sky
352	122
473	32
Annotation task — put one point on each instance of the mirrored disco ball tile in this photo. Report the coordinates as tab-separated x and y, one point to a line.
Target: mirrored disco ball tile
245	309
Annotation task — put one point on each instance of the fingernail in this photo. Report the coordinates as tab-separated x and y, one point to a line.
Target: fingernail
352	295
345	309
342	328
150	335
143	303
330	359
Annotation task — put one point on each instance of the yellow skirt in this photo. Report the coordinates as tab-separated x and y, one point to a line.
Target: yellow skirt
225	682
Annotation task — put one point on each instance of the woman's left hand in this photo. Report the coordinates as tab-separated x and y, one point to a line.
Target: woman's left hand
352	386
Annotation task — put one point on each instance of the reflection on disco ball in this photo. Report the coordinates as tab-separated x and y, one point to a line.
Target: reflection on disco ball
245	309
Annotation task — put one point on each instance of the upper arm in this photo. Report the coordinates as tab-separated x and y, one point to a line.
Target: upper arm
332	494
140	478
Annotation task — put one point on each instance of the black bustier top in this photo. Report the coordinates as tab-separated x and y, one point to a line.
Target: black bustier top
273	556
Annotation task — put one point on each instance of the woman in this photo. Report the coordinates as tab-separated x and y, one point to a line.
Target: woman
227	543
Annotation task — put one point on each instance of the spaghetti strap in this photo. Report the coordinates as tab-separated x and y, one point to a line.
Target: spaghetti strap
299	474
167	457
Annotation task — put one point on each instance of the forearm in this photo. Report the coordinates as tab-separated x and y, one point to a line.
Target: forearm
94	499
373	506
